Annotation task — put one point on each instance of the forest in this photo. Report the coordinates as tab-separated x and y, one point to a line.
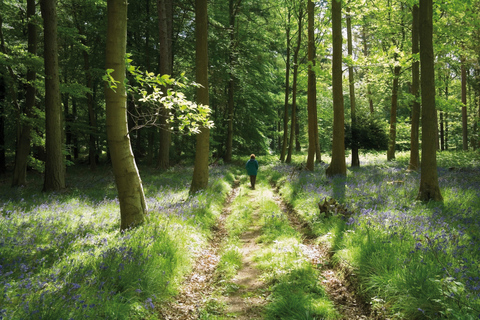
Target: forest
124	132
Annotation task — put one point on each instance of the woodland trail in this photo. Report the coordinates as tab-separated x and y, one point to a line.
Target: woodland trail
250	294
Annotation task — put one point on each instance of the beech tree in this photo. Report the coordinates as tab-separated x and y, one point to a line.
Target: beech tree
294	122
23	144
414	143
337	165
287	85
200	171
127	178
351	82
165	27
54	162
429	188
312	94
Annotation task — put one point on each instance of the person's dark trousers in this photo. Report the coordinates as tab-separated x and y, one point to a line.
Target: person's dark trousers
252	181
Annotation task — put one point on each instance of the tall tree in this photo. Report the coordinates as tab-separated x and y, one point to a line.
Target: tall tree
23	143
464	105
165	22
312	94
127	178
351	81
414	145
287	87
429	188
54	162
337	165
232	13
293	125
200	171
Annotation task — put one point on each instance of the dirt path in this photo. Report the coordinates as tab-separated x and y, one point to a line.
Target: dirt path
200	282
247	302
336	282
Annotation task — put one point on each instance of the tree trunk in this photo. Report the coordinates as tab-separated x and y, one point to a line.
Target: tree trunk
337	165
3	162
293	125
54	163
464	106
200	171
23	143
231	82
165	68
414	143
429	188
127	178
92	120
351	81
392	142
312	94
287	92
365	54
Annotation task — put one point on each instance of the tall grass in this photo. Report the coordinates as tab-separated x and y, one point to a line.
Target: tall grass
420	260
62	255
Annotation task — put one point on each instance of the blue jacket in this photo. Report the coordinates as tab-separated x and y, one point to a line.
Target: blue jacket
252	167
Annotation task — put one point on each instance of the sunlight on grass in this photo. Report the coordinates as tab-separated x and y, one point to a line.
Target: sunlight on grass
419	258
63	256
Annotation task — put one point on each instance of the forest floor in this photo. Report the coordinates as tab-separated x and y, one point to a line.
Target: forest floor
251	294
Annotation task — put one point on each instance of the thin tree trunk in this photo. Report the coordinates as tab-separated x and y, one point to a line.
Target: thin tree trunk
92	120
3	162
231	82
464	106
414	142
365	54
429	188
54	164
287	92
312	94
127	178
355	158
337	165
23	143
293	125
165	68
392	142
200	171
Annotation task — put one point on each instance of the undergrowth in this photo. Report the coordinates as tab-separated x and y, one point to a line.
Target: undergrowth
62	255
418	260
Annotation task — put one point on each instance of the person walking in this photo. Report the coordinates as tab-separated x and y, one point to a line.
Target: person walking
252	168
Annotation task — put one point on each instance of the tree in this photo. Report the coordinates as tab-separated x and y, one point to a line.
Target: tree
200	171
312	94
464	105
23	144
337	165
54	163
127	178
287	88
429	188
165	21
414	145
294	122
351	81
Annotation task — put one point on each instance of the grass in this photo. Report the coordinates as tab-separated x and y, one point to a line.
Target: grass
295	288
418	260
62	255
